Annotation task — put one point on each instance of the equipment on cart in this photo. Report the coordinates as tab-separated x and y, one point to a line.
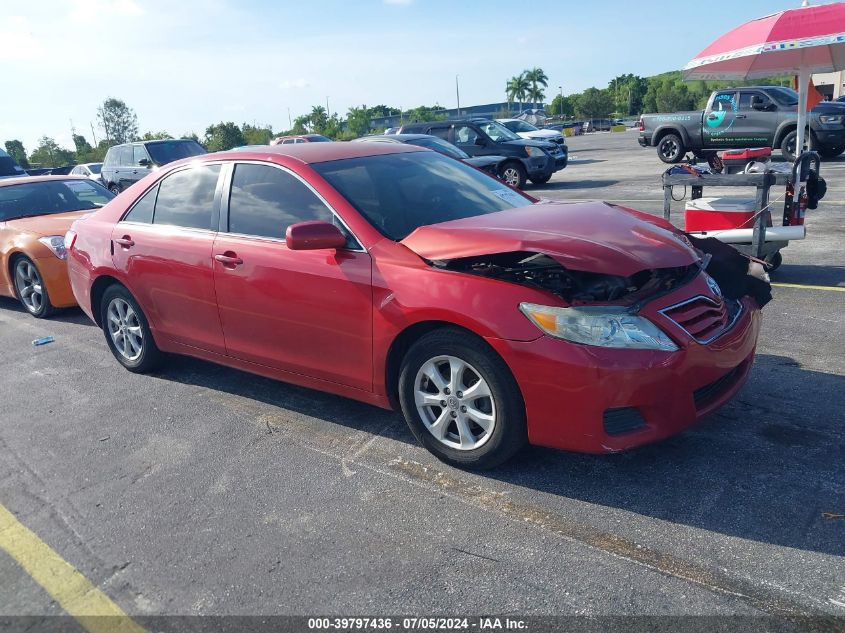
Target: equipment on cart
746	224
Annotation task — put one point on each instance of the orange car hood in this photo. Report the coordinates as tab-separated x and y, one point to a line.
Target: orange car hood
41	225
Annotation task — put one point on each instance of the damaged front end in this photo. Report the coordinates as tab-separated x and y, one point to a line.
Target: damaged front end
541	271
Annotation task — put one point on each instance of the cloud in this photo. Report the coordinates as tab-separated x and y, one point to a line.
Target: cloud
402	3
19	41
295	84
86	12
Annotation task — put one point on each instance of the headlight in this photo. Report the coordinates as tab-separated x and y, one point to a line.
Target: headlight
56	243
534	151
603	327
827	119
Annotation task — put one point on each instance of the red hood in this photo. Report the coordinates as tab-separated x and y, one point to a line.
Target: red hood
44	225
592	236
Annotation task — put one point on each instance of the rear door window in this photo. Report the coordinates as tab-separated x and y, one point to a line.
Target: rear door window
142	211
186	198
125	156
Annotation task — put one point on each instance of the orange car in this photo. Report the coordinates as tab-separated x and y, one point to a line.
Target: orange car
35	214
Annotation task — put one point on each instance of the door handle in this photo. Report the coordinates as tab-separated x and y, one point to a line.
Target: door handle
741	116
229	259
125	241
711	117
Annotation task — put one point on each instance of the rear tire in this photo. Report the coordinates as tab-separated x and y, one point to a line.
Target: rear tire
472	418
670	149
773	262
513	173
127	331
115	189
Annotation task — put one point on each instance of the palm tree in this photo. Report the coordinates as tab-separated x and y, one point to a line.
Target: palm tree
517	88
536	77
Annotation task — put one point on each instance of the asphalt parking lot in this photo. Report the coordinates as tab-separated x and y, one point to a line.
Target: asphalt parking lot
203	490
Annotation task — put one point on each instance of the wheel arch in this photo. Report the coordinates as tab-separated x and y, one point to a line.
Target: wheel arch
410	335
782	131
663	130
98	289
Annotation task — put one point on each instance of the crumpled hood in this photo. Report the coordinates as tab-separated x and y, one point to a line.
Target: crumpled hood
588	236
44	225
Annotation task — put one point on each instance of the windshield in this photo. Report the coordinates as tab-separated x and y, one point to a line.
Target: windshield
168	151
439	145
95	168
784	96
317	138
30	199
519	126
398	193
8	167
497	131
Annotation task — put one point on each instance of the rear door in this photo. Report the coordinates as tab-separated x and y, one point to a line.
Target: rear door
163	247
127	170
308	312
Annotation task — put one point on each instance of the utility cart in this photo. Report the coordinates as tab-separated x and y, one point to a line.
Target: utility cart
746	224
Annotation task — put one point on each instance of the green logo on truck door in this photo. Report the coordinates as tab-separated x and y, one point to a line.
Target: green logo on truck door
722	116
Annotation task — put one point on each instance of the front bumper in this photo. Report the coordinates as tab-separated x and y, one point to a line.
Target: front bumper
599	400
54	273
831	138
540	167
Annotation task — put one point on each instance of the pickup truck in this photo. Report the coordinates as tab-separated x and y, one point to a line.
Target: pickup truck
736	118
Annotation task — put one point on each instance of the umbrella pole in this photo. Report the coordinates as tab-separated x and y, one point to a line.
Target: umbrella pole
803	82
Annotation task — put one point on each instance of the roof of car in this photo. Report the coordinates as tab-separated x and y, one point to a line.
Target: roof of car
20	180
394	138
316	152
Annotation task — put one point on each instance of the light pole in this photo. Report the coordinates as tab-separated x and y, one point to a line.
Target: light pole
328	113
458	94
561	101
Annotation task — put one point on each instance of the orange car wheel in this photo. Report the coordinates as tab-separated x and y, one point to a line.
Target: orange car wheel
30	287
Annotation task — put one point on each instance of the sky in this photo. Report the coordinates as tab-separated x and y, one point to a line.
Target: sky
185	64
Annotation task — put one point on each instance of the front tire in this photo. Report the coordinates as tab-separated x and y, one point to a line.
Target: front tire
461	401
127	331
830	153
30	288
541	180
670	149
513	174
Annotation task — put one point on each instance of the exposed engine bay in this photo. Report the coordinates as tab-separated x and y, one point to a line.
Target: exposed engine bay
574	286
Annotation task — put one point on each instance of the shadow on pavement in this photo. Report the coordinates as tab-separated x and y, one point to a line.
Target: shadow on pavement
813	275
64	315
763	468
574	185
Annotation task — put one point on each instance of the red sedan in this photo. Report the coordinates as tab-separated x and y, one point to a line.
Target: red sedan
403	278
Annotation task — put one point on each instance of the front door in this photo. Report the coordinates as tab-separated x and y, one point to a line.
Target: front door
719	120
755	127
163	246
307	312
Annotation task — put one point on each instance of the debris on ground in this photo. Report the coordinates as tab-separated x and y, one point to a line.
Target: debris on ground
43	341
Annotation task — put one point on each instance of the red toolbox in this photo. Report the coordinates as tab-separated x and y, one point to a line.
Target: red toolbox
735	160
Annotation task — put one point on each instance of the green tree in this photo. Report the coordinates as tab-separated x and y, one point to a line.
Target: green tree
382	110
223	136
155	136
424	113
256	135
50	154
15	149
536	78
118	121
301	124
565	106
191	136
318	119
594	103
358	120
517	88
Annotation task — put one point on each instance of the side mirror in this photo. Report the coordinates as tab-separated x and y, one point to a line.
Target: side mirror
144	162
312	236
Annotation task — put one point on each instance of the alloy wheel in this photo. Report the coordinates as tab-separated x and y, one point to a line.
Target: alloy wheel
455	403
511	176
669	149
125	329
29	285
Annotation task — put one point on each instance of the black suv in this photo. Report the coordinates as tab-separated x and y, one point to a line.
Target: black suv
127	164
535	160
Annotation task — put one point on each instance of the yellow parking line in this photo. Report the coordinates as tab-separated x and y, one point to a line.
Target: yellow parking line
76	595
806	287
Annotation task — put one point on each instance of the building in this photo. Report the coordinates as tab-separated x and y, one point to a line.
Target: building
488	110
831	85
